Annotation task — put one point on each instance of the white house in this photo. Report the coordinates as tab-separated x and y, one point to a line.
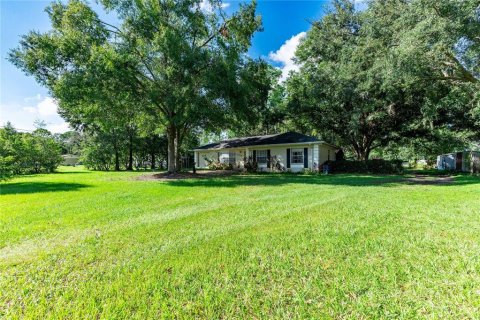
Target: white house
291	151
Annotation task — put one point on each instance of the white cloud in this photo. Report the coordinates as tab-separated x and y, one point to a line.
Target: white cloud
206	6
285	54
47	107
58	128
23	114
38	97
30	109
361	5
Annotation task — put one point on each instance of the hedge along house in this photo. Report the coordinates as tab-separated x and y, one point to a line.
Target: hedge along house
290	151
464	161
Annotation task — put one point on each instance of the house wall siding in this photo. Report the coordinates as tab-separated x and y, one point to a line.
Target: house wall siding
323	155
222	155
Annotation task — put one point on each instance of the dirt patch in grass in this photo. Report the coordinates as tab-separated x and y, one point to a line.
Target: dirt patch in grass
430	180
200	174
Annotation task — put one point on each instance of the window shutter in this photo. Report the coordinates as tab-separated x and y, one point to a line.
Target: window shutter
288	158
268	159
305	157
255	155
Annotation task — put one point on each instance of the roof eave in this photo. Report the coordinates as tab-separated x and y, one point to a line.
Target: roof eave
271	145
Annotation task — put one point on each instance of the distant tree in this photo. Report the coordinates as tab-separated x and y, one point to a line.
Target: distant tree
151	149
100	151
69	141
44	151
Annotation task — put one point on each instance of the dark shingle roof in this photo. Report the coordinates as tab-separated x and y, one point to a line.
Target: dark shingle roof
281	138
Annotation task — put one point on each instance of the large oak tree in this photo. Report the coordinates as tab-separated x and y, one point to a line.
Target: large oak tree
394	70
180	61
346	85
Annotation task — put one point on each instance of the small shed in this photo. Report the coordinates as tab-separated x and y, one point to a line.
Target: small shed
462	161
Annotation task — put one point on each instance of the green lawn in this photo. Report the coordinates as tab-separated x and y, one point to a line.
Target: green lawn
80	244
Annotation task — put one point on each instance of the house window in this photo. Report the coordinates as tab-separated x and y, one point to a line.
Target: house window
231	158
262	156
297	156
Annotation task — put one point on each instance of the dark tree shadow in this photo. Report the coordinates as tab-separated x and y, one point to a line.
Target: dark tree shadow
39	187
338	180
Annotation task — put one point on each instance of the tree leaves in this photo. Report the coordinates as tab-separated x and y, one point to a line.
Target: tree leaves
373	76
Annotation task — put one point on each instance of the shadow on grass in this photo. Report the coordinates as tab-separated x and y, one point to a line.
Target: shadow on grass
337	180
39	187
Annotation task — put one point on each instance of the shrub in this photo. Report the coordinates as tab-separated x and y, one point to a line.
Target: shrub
250	164
369	166
22	153
6	167
276	164
98	152
217	165
309	171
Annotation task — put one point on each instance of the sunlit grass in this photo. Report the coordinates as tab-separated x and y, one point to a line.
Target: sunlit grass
80	244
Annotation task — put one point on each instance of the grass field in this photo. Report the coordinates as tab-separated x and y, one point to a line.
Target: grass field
80	244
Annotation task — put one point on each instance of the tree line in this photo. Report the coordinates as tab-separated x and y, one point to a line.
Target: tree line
119	151
394	78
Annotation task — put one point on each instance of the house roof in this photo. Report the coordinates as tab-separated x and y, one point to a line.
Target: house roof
455	152
281	138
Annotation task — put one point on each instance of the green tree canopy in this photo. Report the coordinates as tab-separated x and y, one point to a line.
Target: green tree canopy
395	70
173	60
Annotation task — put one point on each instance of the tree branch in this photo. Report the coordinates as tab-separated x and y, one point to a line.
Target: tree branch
466	74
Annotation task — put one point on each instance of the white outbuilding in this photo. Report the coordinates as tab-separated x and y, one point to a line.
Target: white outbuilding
463	161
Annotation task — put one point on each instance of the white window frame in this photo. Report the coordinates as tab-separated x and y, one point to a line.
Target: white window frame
294	158
260	155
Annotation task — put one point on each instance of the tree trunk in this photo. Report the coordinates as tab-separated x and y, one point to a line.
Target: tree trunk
172	148
366	154
117	160
178	163
363	153
130	153
152	164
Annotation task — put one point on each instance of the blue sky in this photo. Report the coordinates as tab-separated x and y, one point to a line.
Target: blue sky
22	100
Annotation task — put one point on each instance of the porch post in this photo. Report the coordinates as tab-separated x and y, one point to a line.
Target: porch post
315	157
